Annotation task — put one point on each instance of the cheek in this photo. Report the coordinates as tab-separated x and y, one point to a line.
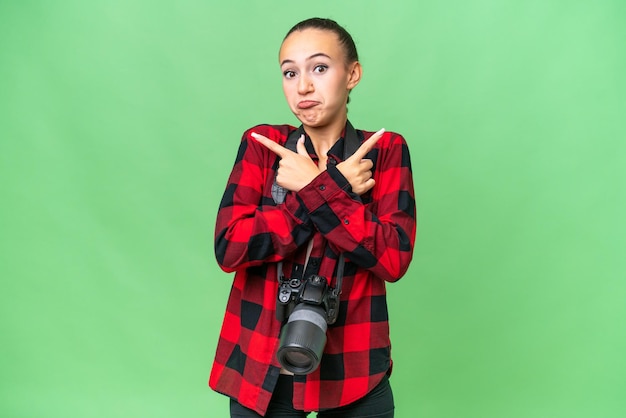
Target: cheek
290	95
338	89
287	88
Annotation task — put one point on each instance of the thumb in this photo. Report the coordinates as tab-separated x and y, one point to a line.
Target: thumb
300	146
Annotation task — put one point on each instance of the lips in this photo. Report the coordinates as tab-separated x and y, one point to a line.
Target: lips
307	104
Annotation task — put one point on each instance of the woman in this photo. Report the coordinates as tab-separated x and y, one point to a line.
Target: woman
303	207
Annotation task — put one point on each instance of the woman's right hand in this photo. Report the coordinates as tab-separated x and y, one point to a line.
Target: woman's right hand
295	170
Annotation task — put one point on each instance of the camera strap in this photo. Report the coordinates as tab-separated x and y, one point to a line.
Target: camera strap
351	142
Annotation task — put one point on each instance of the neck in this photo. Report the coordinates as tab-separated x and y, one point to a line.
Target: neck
324	137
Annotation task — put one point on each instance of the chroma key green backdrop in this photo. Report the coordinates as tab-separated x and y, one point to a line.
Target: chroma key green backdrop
119	124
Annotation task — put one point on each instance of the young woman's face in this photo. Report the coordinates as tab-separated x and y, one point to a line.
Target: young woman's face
316	77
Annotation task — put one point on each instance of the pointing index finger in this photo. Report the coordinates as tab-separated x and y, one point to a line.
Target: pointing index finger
270	145
369	144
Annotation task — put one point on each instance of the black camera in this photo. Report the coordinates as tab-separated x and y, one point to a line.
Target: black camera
309	305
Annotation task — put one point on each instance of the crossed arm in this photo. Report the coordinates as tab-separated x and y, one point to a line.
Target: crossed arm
297	169
379	238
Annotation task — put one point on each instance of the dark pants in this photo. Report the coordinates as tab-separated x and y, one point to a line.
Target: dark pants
376	404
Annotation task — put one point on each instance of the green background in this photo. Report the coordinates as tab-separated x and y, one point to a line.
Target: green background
119	123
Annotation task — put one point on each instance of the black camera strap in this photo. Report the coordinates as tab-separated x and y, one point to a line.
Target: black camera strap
341	262
340	266
351	142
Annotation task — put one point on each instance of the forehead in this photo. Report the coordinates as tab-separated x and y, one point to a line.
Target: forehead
300	45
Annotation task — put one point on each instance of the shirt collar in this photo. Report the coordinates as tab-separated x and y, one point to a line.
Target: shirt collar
347	144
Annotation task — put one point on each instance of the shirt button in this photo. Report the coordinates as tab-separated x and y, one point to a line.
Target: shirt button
322	187
346	221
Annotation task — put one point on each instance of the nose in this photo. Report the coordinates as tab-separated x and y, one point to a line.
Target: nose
305	84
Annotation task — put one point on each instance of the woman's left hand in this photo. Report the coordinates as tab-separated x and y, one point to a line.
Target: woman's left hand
357	169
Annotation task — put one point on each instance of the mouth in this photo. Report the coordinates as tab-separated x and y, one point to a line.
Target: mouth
307	104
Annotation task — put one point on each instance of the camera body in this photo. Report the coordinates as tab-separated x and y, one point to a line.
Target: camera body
309	306
314	290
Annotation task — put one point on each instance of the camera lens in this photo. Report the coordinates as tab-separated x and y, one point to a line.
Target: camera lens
302	339
297	359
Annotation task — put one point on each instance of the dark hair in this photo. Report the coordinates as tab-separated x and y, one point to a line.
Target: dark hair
330	25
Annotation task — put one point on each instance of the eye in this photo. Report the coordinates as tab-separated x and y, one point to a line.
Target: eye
289	74
320	68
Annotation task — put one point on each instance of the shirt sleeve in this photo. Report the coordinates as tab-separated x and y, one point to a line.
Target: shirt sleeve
378	235
251	229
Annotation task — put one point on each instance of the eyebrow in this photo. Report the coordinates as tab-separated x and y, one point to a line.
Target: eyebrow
319	54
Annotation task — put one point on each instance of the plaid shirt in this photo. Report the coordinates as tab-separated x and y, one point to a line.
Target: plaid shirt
376	233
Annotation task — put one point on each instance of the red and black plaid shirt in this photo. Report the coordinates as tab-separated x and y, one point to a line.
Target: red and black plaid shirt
376	233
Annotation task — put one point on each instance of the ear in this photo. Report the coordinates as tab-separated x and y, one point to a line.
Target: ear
355	71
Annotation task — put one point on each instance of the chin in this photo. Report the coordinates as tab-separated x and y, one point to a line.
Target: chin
314	121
